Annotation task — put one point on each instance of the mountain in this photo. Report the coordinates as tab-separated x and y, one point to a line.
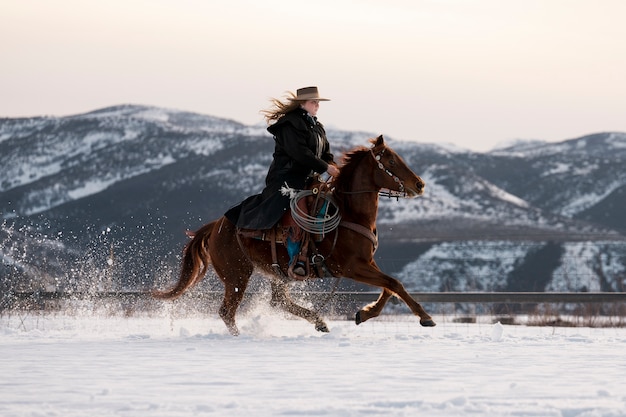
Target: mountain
101	200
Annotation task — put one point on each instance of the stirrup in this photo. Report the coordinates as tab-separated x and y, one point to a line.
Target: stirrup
297	271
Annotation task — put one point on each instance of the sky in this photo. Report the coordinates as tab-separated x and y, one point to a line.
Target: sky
474	74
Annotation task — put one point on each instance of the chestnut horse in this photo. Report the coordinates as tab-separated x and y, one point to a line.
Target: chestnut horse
349	253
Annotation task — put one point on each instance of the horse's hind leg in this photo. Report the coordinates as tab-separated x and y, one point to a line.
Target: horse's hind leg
228	309
280	298
234	289
234	269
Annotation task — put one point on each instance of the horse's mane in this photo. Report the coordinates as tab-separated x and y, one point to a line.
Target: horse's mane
342	183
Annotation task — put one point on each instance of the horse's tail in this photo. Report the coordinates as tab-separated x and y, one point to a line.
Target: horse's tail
194	265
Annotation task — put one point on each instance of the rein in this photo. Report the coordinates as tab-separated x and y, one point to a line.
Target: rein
362	230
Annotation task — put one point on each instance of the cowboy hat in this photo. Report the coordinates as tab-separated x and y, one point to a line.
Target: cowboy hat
308	93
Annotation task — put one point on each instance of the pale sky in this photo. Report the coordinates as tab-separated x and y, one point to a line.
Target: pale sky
473	73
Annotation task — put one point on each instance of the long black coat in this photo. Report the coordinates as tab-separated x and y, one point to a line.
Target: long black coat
301	148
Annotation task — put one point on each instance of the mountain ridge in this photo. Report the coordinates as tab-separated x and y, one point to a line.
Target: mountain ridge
139	175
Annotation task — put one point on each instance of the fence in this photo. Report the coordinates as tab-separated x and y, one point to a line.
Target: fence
368	296
591	309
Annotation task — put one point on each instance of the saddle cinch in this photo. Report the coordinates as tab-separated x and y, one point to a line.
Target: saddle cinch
317	215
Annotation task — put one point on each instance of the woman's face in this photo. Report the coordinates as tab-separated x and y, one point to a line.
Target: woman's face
311	106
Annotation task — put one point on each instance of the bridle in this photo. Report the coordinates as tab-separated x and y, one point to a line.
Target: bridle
389	193
383	192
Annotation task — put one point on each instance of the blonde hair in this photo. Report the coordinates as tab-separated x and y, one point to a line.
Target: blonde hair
280	108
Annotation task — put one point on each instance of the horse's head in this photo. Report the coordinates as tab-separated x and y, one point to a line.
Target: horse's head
393	174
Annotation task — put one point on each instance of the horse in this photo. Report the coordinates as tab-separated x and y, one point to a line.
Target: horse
366	172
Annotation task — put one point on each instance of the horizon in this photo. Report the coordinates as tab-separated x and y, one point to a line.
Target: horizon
474	75
446	145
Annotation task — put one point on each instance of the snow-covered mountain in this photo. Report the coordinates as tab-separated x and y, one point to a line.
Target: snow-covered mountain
124	182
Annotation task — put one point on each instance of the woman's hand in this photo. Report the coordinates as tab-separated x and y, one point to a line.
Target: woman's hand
332	170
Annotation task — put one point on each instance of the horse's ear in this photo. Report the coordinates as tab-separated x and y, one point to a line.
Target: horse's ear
379	141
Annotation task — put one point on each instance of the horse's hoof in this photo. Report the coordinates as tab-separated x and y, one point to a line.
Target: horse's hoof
428	323
357	318
232	329
321	327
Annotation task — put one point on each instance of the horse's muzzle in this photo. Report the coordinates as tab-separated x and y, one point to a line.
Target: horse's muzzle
417	189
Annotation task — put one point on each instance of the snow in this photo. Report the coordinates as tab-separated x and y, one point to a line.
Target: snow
437	202
617	140
512	145
206	147
153	114
90	187
589	266
499	193
588	169
440	202
589	199
485	266
558	168
24	172
445	146
102	365
476	265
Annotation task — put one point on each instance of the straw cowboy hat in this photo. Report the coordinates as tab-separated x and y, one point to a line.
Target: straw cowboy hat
308	93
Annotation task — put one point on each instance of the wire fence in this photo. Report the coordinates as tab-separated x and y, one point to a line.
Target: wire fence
581	308
366	296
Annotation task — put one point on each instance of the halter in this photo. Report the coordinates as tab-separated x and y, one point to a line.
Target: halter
389	193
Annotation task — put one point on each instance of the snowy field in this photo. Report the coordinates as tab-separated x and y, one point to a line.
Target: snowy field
61	365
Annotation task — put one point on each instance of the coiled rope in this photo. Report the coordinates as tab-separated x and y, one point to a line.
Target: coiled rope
325	221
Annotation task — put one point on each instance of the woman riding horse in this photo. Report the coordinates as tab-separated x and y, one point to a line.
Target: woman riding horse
348	252
301	149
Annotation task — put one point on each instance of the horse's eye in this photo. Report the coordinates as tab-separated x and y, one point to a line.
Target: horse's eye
392	162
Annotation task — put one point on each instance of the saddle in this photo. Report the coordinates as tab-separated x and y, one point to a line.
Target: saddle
309	255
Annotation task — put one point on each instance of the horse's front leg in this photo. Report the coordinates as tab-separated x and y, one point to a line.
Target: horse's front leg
280	298
374	309
370	275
